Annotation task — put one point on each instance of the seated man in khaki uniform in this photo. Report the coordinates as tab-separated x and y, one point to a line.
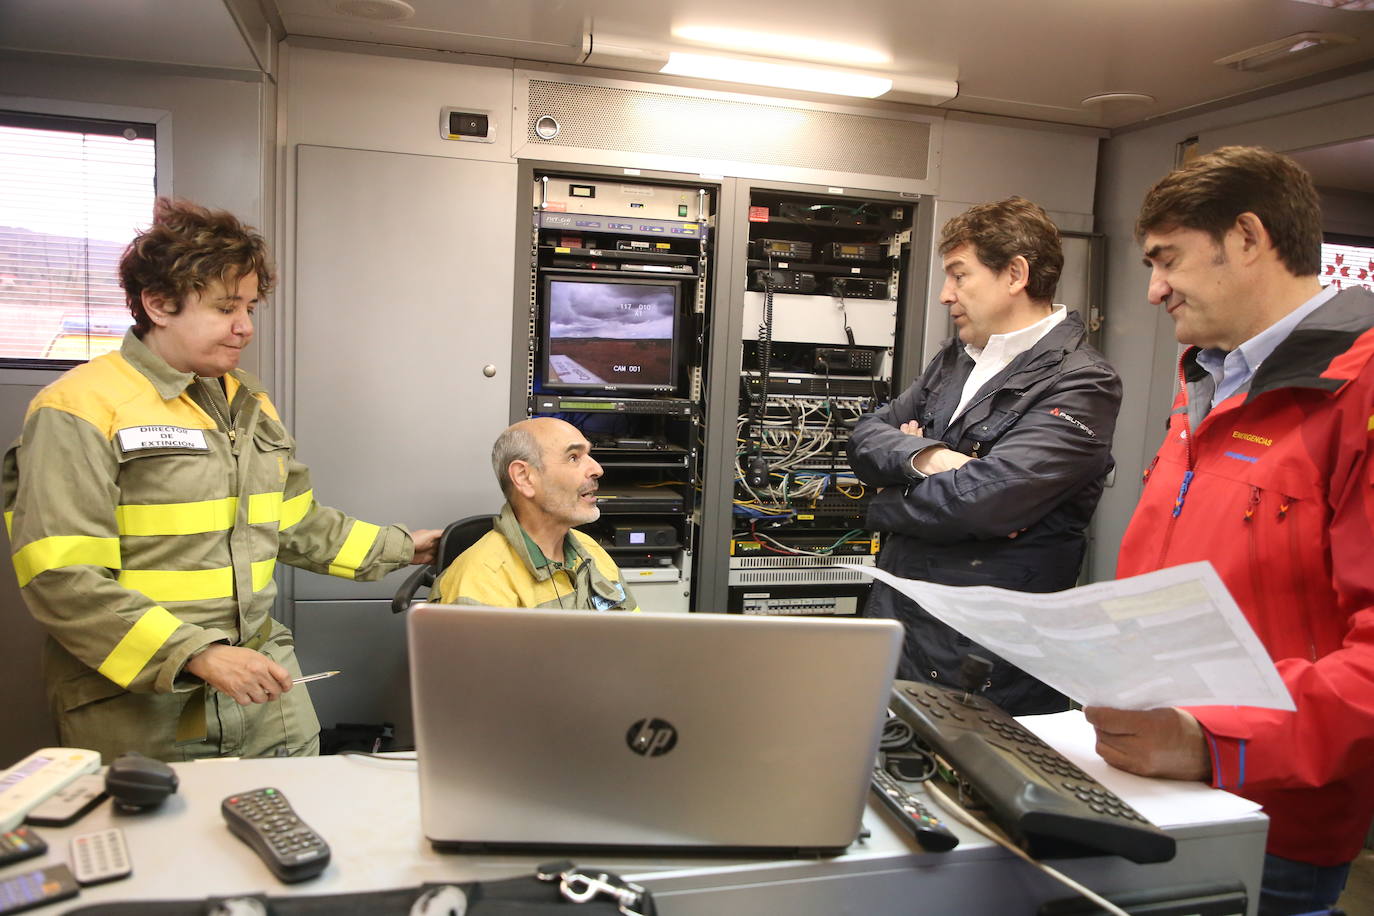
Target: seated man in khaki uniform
533	557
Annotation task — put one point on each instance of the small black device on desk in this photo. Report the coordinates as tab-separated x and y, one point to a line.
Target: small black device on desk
264	819
70	803
928	829
137	783
36	888
19	844
1041	799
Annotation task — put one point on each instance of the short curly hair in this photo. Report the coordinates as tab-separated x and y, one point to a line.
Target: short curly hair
1212	191
1002	230
186	249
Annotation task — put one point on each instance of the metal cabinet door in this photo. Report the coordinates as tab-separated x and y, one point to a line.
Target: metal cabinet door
402	292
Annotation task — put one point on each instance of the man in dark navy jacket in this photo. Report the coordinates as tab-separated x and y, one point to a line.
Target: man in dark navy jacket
992	462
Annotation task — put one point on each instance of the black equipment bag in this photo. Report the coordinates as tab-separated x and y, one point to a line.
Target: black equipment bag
556	889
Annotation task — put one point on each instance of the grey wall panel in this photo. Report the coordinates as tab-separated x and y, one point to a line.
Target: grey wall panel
983	160
1348	212
367	642
402	297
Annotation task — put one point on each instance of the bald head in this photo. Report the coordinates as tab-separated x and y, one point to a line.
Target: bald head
530	441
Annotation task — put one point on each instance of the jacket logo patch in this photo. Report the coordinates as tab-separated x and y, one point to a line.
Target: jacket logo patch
1065	415
1238	456
1251	437
134	438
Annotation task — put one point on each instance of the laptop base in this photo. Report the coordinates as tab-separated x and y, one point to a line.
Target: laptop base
768	852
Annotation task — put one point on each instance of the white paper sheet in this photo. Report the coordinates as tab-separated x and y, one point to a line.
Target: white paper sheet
1173	637
1164	802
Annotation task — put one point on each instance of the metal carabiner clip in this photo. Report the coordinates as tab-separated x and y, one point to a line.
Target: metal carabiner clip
579	887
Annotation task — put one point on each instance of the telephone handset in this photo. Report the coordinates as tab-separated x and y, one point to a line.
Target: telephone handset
1041	799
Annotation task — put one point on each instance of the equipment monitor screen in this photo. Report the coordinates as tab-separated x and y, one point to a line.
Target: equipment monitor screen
610	335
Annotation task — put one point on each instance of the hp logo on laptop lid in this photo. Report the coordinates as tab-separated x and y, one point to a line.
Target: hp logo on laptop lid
651	737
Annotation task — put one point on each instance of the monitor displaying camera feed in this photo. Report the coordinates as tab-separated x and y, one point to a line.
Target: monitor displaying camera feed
610	335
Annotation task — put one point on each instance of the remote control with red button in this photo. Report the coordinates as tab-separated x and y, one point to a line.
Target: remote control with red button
264	819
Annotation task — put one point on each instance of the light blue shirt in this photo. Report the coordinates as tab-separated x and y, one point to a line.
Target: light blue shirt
1232	371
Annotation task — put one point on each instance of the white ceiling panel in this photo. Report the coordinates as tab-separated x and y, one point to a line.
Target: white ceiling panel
196	32
1342	166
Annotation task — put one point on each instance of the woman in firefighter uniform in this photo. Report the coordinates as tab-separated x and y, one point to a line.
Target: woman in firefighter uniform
148	500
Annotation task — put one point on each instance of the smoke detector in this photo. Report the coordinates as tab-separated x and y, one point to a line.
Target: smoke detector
1104	98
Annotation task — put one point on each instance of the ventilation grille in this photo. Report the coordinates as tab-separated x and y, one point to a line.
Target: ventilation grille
638	121
799	562
829	576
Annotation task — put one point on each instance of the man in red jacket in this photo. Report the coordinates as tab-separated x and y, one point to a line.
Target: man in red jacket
1266	471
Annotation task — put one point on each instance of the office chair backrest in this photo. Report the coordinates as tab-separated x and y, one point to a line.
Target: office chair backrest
457	537
461	535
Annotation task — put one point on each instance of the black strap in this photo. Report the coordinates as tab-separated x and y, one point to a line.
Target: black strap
523	896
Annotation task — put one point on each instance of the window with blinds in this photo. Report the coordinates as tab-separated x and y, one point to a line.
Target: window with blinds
1347	261
73	193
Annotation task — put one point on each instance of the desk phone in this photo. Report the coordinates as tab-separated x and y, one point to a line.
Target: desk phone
1036	795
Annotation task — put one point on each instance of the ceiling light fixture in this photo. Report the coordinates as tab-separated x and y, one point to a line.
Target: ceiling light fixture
622	53
788	46
1284	50
778	75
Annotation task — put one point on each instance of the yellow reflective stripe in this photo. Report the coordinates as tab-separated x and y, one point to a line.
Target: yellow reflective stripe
142	641
295	508
264	508
180	584
64	550
262	573
1371	423
354	550
9	523
193	584
199	517
177	518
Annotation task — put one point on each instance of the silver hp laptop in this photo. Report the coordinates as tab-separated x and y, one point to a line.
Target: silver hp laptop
586	729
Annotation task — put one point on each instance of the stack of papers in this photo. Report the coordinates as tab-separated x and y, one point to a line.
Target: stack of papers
1164	802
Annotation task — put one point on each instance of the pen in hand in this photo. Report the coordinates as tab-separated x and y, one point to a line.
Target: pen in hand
305	679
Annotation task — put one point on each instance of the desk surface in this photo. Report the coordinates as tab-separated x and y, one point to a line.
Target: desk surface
368	811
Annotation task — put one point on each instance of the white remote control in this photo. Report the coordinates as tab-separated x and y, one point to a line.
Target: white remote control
38	776
100	856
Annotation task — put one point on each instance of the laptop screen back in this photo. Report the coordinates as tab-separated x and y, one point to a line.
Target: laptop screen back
579	728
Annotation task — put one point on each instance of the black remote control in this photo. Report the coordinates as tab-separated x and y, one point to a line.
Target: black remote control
19	844
36	888
264	819
929	830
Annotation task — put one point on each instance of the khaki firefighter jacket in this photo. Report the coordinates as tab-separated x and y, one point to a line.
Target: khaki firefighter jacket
507	569
147	510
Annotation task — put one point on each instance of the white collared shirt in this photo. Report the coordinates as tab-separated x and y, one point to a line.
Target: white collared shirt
1001	349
